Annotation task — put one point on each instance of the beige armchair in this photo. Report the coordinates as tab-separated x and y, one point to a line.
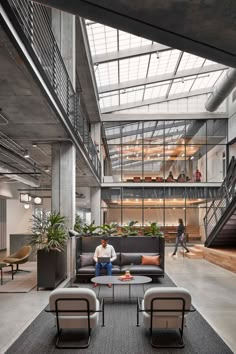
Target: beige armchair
165	309
74	309
19	257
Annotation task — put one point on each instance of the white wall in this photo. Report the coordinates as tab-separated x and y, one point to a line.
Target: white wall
18	218
214	164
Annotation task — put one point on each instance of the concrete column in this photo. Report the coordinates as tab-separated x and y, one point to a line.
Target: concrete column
95	202
96	136
63	27
63	192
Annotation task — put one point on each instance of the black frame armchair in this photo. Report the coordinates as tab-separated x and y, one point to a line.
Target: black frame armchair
165	308
75	308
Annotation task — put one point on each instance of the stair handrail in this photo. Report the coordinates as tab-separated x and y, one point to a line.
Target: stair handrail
226	193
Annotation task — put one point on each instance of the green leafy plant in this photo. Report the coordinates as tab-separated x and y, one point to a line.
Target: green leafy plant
89	229
78	227
49	231
108	229
129	230
153	230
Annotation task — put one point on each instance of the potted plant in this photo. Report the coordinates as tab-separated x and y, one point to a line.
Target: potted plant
153	230
108	229
49	240
129	230
89	229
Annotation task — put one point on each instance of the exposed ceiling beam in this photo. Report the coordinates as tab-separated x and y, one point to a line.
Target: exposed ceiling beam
114	118
129	53
156	100
160	78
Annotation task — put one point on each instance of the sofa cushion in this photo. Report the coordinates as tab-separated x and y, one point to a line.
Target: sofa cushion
90	270
130	258
86	259
151	260
134	258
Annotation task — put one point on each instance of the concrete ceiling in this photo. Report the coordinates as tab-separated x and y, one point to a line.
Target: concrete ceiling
27	122
202	27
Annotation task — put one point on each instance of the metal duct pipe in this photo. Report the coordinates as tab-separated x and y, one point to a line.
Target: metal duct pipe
28	180
221	91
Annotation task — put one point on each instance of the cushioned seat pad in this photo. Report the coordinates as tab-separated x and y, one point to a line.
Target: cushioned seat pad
91	270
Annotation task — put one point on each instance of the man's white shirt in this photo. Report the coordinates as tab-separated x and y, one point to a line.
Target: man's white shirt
108	251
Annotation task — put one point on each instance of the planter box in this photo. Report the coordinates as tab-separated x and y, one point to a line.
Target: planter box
51	268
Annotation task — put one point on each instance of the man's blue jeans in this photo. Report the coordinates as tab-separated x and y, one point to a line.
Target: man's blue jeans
99	266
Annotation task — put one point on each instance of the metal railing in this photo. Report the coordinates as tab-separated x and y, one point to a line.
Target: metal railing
227	192
35	22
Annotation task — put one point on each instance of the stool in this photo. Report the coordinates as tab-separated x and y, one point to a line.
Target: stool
3	265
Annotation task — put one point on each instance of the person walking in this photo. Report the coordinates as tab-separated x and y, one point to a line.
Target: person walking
180	237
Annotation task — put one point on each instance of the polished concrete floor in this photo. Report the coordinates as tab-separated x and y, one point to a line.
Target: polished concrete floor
213	291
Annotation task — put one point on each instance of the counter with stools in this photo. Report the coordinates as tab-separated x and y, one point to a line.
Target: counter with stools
3	265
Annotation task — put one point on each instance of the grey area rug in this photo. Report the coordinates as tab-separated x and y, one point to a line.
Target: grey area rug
23	282
120	335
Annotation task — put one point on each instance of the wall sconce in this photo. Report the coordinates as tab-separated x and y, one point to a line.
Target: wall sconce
25	197
38	200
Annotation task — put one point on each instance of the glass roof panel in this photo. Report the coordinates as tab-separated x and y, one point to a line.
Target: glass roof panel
103	39
182	85
133	68
156	90
127	40
208	62
111	100
206	80
166	62
131	95
190	61
107	73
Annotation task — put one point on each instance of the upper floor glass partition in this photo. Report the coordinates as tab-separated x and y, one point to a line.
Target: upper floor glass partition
173	151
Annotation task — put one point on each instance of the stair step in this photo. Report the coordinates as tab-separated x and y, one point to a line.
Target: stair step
196	250
191	255
200	246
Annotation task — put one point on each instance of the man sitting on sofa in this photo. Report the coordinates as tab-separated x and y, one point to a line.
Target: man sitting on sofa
104	250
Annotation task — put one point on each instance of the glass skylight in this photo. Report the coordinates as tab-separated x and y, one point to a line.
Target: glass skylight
107	73
166	62
189	61
133	68
137	79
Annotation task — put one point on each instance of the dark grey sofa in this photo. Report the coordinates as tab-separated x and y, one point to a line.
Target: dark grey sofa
129	252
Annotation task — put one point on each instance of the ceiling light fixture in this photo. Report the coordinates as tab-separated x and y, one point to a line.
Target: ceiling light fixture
157	54
26	154
47	169
26	206
34	145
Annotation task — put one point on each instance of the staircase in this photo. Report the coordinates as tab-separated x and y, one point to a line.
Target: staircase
220	220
